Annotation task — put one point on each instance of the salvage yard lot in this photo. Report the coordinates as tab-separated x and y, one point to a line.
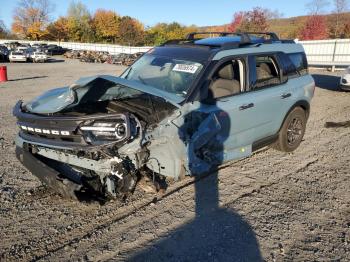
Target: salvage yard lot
273	206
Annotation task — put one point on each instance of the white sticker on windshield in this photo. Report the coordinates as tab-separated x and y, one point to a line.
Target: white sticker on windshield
185	68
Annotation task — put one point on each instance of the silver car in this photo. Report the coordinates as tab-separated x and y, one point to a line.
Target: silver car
345	80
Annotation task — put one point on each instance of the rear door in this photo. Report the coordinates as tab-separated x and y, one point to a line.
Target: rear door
273	94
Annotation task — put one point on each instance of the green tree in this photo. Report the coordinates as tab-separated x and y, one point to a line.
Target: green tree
80	23
162	32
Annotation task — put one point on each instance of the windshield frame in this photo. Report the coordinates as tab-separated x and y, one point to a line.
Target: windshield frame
190	88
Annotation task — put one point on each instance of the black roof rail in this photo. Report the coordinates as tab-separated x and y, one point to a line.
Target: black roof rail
273	36
245	39
177	41
191	35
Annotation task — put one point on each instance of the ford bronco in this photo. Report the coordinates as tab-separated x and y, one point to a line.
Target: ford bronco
183	108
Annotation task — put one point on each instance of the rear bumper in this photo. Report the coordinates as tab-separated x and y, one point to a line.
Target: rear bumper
47	175
19	60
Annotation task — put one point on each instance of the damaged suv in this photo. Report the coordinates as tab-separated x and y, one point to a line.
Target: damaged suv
183	108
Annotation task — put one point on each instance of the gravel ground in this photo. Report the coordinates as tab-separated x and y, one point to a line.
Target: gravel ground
272	206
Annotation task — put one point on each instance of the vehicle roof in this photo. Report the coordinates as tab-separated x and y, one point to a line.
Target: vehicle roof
264	48
215	48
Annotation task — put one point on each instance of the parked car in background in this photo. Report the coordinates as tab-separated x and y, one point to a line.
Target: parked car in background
37	57
17	56
29	52
345	80
12	45
21	48
40	47
4	53
55	50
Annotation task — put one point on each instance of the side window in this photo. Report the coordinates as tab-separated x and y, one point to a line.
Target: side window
228	79
300	62
288	68
267	72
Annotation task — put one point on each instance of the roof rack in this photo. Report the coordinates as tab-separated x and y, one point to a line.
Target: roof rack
245	39
273	36
191	35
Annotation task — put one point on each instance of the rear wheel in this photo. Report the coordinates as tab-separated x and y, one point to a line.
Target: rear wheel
292	131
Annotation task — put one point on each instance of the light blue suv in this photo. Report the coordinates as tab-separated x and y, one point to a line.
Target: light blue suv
183	108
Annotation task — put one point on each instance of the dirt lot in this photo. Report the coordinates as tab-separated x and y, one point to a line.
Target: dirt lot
272	206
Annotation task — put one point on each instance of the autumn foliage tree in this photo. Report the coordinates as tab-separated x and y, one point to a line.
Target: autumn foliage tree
58	30
31	18
236	22
106	24
255	20
162	32
315	28
131	31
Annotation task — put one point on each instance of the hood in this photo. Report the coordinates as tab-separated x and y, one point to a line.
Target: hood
93	89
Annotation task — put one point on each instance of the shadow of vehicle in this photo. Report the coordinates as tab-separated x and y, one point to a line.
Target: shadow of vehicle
52	60
216	233
26	78
328	82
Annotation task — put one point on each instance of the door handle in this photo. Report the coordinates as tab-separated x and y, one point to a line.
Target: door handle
283	96
246	106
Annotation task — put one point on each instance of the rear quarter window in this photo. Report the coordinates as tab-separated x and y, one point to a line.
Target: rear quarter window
300	62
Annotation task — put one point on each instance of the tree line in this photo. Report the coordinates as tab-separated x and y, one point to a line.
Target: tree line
315	26
32	20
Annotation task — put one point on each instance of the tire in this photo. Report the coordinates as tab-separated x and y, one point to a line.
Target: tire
292	131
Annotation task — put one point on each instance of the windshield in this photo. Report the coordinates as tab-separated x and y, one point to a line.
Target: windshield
165	73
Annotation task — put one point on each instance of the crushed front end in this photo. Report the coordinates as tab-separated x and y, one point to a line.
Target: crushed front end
80	140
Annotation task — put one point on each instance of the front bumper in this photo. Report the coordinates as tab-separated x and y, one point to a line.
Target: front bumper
47	175
345	83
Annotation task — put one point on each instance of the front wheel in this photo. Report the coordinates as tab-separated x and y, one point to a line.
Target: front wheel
292	131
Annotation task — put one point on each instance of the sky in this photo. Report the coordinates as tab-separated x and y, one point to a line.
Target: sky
186	12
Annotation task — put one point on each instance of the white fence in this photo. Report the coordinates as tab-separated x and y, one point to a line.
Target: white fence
320	52
328	52
112	49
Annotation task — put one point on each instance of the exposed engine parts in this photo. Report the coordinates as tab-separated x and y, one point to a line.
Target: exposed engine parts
90	137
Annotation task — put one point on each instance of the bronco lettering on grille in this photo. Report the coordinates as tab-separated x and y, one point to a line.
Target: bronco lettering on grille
45	131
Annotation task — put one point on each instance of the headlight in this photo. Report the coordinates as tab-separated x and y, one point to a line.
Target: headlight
106	130
117	128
